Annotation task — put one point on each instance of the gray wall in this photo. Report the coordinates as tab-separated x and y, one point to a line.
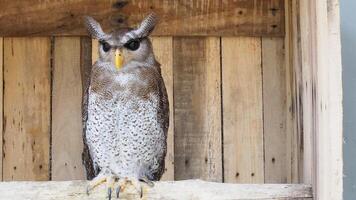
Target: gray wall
348	40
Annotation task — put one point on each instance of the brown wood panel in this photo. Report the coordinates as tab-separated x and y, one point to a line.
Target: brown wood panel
242	110
197	108
163	50
230	17
274	110
1	101
26	108
67	143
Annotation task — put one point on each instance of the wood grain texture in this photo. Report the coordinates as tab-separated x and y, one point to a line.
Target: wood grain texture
197	109
1	101
299	97
320	33
26	108
163	50
274	110
183	18
178	190
242	110
67	143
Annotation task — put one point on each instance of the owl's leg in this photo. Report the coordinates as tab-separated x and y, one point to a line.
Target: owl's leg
101	178
96	182
110	184
138	184
148	182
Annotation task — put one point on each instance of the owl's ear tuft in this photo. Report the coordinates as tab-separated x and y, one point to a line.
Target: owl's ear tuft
147	25
94	28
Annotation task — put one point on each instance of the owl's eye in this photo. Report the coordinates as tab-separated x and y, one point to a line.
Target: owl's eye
133	45
106	46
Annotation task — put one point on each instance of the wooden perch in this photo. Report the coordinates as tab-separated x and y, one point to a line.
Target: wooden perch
188	189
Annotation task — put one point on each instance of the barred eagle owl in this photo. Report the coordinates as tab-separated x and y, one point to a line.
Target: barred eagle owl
128	110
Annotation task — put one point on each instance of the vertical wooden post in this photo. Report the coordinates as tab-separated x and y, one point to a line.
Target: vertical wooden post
299	101
1	102
320	32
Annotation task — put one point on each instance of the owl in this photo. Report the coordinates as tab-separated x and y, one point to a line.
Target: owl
128	111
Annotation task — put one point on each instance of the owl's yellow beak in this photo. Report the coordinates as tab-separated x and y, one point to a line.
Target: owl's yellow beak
119	59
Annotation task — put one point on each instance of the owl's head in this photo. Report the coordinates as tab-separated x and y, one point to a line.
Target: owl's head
125	45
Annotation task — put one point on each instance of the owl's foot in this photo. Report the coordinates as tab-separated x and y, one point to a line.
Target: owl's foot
95	182
148	182
138	184
110	183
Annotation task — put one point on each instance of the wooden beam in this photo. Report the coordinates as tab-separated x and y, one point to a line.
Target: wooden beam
188	189
183	18
298	101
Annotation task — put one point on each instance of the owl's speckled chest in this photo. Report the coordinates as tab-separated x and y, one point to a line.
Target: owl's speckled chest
125	135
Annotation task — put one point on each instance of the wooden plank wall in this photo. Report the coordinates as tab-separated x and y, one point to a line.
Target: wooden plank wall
228	101
27	98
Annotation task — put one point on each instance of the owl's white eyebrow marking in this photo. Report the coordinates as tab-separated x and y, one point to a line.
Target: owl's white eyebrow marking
128	36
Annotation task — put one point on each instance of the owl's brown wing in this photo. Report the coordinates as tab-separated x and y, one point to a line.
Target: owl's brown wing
163	116
86	158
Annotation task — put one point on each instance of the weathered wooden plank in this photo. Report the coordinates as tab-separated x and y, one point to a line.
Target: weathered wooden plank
242	110
67	143
320	27
178	190
183	18
274	110
163	49
197	108
298	109
1	101
26	108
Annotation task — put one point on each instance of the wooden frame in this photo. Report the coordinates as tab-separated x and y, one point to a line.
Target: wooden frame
321	53
313	61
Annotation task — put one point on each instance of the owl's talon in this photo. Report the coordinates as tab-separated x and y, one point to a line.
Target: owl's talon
87	190
118	192
94	183
148	182
141	192
109	193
